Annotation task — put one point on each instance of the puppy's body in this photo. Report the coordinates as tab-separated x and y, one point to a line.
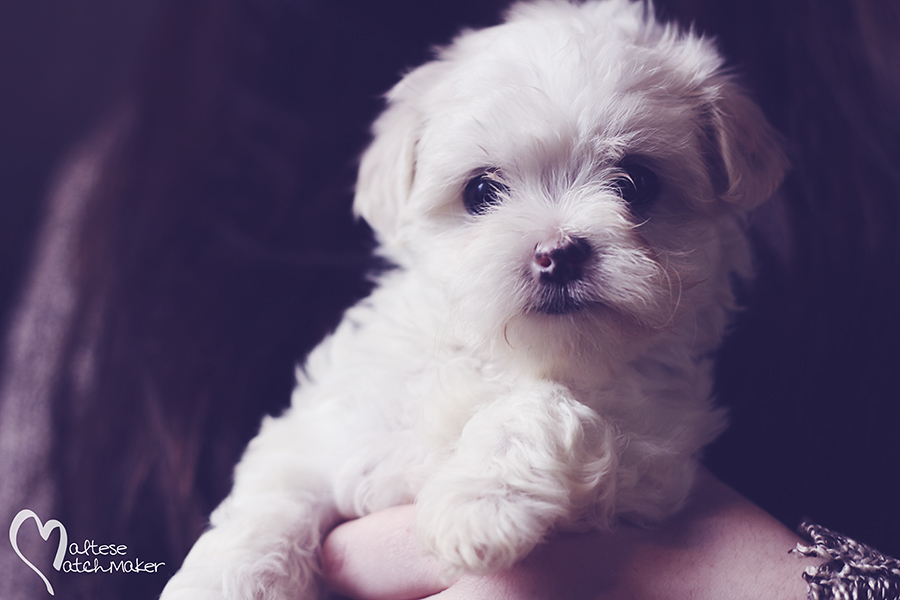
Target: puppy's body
564	197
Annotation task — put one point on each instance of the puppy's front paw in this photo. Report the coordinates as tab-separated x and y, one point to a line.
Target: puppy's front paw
483	532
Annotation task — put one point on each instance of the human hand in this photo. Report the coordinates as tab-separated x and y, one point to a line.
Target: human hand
720	546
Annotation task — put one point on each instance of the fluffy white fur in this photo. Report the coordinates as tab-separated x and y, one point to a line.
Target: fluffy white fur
450	386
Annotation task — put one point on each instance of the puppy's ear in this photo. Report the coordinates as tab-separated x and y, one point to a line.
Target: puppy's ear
745	154
388	166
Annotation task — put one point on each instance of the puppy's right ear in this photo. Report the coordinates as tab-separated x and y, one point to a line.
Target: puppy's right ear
388	167
745	154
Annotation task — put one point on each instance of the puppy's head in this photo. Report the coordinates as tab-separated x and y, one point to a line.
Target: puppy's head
578	173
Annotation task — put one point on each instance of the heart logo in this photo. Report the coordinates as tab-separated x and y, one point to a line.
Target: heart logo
45	529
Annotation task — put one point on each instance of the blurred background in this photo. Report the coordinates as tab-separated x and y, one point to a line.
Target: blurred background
155	310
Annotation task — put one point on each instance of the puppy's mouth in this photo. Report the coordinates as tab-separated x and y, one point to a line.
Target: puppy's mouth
557	300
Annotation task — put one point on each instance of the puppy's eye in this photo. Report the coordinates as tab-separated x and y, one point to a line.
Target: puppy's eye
483	192
637	185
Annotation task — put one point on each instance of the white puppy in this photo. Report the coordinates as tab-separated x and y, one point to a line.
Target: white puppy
564	198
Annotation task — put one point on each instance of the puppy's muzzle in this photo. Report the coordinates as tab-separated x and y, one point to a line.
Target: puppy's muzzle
563	262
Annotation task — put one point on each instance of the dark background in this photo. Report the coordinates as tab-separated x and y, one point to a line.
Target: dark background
226	249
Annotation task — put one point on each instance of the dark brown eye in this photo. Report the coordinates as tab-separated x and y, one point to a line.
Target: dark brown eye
637	185
483	192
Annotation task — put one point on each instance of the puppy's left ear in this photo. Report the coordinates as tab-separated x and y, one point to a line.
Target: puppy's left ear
388	166
745	154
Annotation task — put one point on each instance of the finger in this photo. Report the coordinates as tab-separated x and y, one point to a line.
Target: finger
379	557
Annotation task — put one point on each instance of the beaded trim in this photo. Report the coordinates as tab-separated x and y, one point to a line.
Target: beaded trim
851	571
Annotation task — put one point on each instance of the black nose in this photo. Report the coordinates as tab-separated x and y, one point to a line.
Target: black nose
562	263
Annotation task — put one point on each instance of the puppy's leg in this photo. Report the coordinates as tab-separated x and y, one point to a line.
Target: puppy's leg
259	554
265	537
525	463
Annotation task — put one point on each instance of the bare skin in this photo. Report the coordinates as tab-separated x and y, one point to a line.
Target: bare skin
721	546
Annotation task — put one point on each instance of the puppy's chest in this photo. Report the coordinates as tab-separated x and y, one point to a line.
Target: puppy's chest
460	385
